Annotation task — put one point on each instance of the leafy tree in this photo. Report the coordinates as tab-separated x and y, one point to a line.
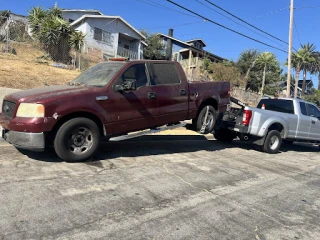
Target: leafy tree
155	48
314	97
4	15
267	61
221	72
55	35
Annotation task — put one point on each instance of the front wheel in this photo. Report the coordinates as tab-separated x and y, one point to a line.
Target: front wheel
206	120
77	140
273	142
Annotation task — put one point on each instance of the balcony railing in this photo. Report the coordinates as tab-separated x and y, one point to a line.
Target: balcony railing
123	52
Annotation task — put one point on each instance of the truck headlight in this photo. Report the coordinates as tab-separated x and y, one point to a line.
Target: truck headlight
31	110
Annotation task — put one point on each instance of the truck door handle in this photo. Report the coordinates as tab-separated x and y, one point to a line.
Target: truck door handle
152	95
183	92
313	122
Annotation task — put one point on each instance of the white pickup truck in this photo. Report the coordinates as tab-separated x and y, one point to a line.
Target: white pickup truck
273	121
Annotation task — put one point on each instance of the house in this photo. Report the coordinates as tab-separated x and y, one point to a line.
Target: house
282	86
188	53
112	36
309	86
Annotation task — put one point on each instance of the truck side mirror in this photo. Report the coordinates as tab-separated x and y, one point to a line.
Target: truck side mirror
128	85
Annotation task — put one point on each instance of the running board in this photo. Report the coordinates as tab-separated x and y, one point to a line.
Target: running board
146	132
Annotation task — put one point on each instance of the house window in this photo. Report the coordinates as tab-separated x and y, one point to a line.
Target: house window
102	35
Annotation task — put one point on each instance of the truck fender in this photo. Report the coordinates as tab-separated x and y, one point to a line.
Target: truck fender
273	120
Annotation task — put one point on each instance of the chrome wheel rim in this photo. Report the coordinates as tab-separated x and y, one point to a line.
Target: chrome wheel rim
274	142
209	121
80	141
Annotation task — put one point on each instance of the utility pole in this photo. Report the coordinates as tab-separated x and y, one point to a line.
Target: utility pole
290	50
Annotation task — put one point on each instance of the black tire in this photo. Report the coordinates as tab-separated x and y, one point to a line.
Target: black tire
272	142
77	140
223	135
211	120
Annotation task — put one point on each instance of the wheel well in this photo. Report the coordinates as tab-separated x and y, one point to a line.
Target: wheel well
210	101
278	127
76	115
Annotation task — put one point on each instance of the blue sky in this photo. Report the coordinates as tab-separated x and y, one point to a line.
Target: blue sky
156	16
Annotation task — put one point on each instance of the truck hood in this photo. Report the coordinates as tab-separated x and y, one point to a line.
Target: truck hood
47	93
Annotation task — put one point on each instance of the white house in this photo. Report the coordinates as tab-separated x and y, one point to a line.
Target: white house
111	35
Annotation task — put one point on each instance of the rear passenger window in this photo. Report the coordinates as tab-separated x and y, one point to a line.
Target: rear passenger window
165	73
277	105
303	108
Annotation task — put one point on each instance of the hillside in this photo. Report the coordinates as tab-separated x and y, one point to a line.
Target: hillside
29	68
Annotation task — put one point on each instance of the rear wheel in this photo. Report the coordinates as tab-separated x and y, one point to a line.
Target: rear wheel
206	120
273	142
77	140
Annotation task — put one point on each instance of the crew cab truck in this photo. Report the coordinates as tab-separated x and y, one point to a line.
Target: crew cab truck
275	120
110	99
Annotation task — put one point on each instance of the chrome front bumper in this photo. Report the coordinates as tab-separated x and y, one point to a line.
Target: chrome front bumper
24	140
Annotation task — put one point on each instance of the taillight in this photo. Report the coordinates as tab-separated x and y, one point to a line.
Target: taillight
229	91
247	114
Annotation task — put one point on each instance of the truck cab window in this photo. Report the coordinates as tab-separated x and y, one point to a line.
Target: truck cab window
165	73
136	72
313	111
277	105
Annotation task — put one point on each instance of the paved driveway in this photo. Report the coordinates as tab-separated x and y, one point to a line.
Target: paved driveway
162	187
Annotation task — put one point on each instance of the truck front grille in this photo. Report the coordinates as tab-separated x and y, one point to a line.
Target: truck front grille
8	108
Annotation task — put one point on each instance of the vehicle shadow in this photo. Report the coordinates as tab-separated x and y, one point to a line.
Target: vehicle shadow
164	144
146	146
299	147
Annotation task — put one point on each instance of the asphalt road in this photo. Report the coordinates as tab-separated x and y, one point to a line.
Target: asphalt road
162	187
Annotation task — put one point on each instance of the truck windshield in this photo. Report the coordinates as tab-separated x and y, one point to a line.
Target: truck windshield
99	75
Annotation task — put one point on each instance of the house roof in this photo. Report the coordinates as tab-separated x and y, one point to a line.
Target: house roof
307	81
174	39
82	10
107	17
188	46
197	40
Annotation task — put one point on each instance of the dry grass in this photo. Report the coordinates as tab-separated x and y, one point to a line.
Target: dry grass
24	71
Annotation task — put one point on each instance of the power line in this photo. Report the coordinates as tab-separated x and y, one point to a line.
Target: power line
246	22
238	23
205	18
178	25
295	27
303	7
269	13
155	4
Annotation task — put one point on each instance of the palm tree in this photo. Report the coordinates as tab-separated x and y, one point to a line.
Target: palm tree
309	50
266	60
315	67
246	62
300	59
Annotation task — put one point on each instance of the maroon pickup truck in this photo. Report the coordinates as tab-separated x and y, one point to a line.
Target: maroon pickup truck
110	99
